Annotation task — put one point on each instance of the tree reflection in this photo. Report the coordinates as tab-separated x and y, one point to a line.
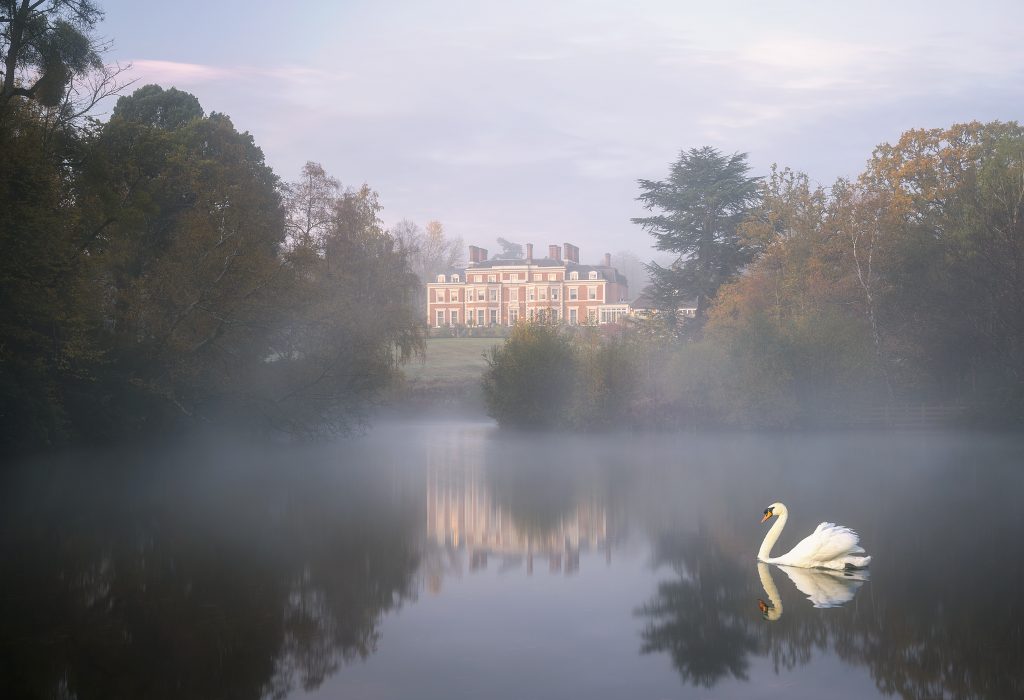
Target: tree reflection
700	617
233	586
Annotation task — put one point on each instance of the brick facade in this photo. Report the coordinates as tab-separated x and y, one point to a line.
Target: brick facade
502	292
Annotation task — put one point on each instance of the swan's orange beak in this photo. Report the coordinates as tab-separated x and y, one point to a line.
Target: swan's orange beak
763	606
767	514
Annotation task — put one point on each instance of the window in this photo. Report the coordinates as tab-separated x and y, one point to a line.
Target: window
494	317
455	278
591	315
440	318
573	293
554	294
479	278
480	295
537	277
573	316
440	278
493	294
480	317
530	294
543	293
453	295
593	275
574	275
513	316
492	278
469	294
591	293
554	315
551	277
439	295
513	294
455	317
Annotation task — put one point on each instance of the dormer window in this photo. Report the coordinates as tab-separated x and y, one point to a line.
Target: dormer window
593	274
440	278
574	275
455	278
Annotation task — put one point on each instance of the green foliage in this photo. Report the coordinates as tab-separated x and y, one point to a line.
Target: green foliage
44	46
43	321
608	373
152	106
149	282
701	206
530	379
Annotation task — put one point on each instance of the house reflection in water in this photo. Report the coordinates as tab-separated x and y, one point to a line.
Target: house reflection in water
467	525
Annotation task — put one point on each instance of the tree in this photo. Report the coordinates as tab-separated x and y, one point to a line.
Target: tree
354	321
529	380
309	203
46	344
50	56
509	250
952	242
188	257
429	253
633	269
700	207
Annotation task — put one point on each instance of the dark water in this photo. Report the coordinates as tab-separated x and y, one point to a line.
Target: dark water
453	561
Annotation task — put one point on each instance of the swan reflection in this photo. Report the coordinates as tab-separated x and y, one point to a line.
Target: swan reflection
824	588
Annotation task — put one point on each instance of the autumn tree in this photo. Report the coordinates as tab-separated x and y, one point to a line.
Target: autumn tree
309	203
429	251
356	323
952	251
698	211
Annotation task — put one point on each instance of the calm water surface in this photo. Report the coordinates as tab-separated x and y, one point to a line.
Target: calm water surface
451	560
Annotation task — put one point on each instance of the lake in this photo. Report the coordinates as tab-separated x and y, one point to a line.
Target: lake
454	560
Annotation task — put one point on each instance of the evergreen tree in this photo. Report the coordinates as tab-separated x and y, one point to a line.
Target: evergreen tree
698	212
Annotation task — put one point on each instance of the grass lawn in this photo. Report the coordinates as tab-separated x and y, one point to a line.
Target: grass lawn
451	359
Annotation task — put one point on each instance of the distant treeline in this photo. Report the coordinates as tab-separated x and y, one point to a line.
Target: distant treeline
816	306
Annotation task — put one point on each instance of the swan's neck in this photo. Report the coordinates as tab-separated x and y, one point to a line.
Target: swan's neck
772	611
765	553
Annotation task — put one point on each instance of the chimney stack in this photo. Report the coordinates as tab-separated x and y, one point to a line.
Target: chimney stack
529	252
572	253
607	259
482	254
474	254
554	252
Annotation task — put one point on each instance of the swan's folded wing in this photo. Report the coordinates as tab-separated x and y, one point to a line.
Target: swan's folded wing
828	541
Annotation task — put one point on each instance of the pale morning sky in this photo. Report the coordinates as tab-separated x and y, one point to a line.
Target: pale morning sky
532	119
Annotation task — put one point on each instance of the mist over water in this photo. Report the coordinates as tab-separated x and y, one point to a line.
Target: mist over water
454	560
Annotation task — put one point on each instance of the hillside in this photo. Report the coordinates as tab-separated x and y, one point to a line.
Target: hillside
448	378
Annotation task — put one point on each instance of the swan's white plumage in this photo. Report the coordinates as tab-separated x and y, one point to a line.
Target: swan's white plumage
830	546
826	588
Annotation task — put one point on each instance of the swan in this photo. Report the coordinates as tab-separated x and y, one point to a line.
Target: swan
830	546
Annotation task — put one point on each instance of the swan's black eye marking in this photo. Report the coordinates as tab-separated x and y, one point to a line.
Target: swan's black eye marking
767	511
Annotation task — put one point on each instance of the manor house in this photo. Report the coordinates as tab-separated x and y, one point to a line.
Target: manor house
502	291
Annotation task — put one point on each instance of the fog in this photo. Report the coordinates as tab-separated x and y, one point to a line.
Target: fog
450	559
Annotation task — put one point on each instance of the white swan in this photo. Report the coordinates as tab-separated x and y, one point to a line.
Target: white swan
830	546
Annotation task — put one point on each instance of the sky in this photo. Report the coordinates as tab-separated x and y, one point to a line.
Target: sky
533	120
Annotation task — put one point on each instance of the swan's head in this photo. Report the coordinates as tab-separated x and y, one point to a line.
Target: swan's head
774	509
768	610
